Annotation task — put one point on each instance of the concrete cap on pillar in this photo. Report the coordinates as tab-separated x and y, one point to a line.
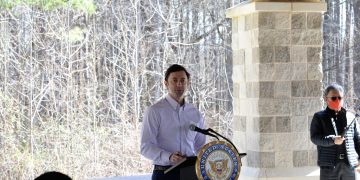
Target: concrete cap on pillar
283	1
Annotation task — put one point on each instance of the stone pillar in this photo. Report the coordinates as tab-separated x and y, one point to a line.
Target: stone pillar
277	79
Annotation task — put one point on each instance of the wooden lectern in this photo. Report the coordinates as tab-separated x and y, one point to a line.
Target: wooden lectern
185	168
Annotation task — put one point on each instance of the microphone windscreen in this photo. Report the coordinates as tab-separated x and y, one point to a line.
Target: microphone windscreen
192	127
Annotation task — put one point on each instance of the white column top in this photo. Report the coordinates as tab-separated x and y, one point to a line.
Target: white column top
256	6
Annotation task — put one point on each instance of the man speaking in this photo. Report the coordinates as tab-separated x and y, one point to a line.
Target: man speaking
166	138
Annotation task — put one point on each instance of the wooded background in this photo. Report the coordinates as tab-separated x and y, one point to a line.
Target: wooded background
341	50
77	75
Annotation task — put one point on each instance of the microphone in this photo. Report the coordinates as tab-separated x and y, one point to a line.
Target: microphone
192	127
347	127
195	128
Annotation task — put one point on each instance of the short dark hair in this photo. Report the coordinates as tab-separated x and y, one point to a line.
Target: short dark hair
333	86
176	68
53	175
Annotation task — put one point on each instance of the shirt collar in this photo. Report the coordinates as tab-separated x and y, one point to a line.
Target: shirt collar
332	112
173	103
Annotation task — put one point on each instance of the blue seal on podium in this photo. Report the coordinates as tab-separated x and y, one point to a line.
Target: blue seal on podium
218	160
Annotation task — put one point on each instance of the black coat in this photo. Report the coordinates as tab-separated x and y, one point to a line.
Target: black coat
321	130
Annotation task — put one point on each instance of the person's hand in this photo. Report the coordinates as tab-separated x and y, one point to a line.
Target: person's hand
358	167
338	140
176	157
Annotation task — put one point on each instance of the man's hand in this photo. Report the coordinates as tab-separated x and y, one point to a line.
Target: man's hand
176	157
338	140
358	167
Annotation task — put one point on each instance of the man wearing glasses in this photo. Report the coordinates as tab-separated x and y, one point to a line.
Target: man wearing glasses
337	148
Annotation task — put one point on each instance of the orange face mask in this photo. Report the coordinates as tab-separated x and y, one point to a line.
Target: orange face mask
334	105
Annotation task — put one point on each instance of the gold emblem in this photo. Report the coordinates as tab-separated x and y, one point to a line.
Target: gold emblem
219	169
218	160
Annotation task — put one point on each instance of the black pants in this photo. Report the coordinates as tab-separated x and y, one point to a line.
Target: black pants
159	175
342	171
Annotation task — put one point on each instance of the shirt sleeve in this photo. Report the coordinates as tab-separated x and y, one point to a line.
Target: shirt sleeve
200	139
148	147
317	135
357	137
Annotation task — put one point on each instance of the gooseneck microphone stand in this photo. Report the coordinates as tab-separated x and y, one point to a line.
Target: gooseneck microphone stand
347	127
217	134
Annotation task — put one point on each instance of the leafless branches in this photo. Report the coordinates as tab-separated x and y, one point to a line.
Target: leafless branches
74	85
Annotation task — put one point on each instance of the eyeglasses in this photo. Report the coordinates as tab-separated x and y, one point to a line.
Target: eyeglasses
335	97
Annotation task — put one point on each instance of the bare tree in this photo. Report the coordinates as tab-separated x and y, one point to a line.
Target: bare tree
78	75
340	55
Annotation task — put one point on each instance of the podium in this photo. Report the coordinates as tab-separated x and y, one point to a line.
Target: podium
185	168
216	160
